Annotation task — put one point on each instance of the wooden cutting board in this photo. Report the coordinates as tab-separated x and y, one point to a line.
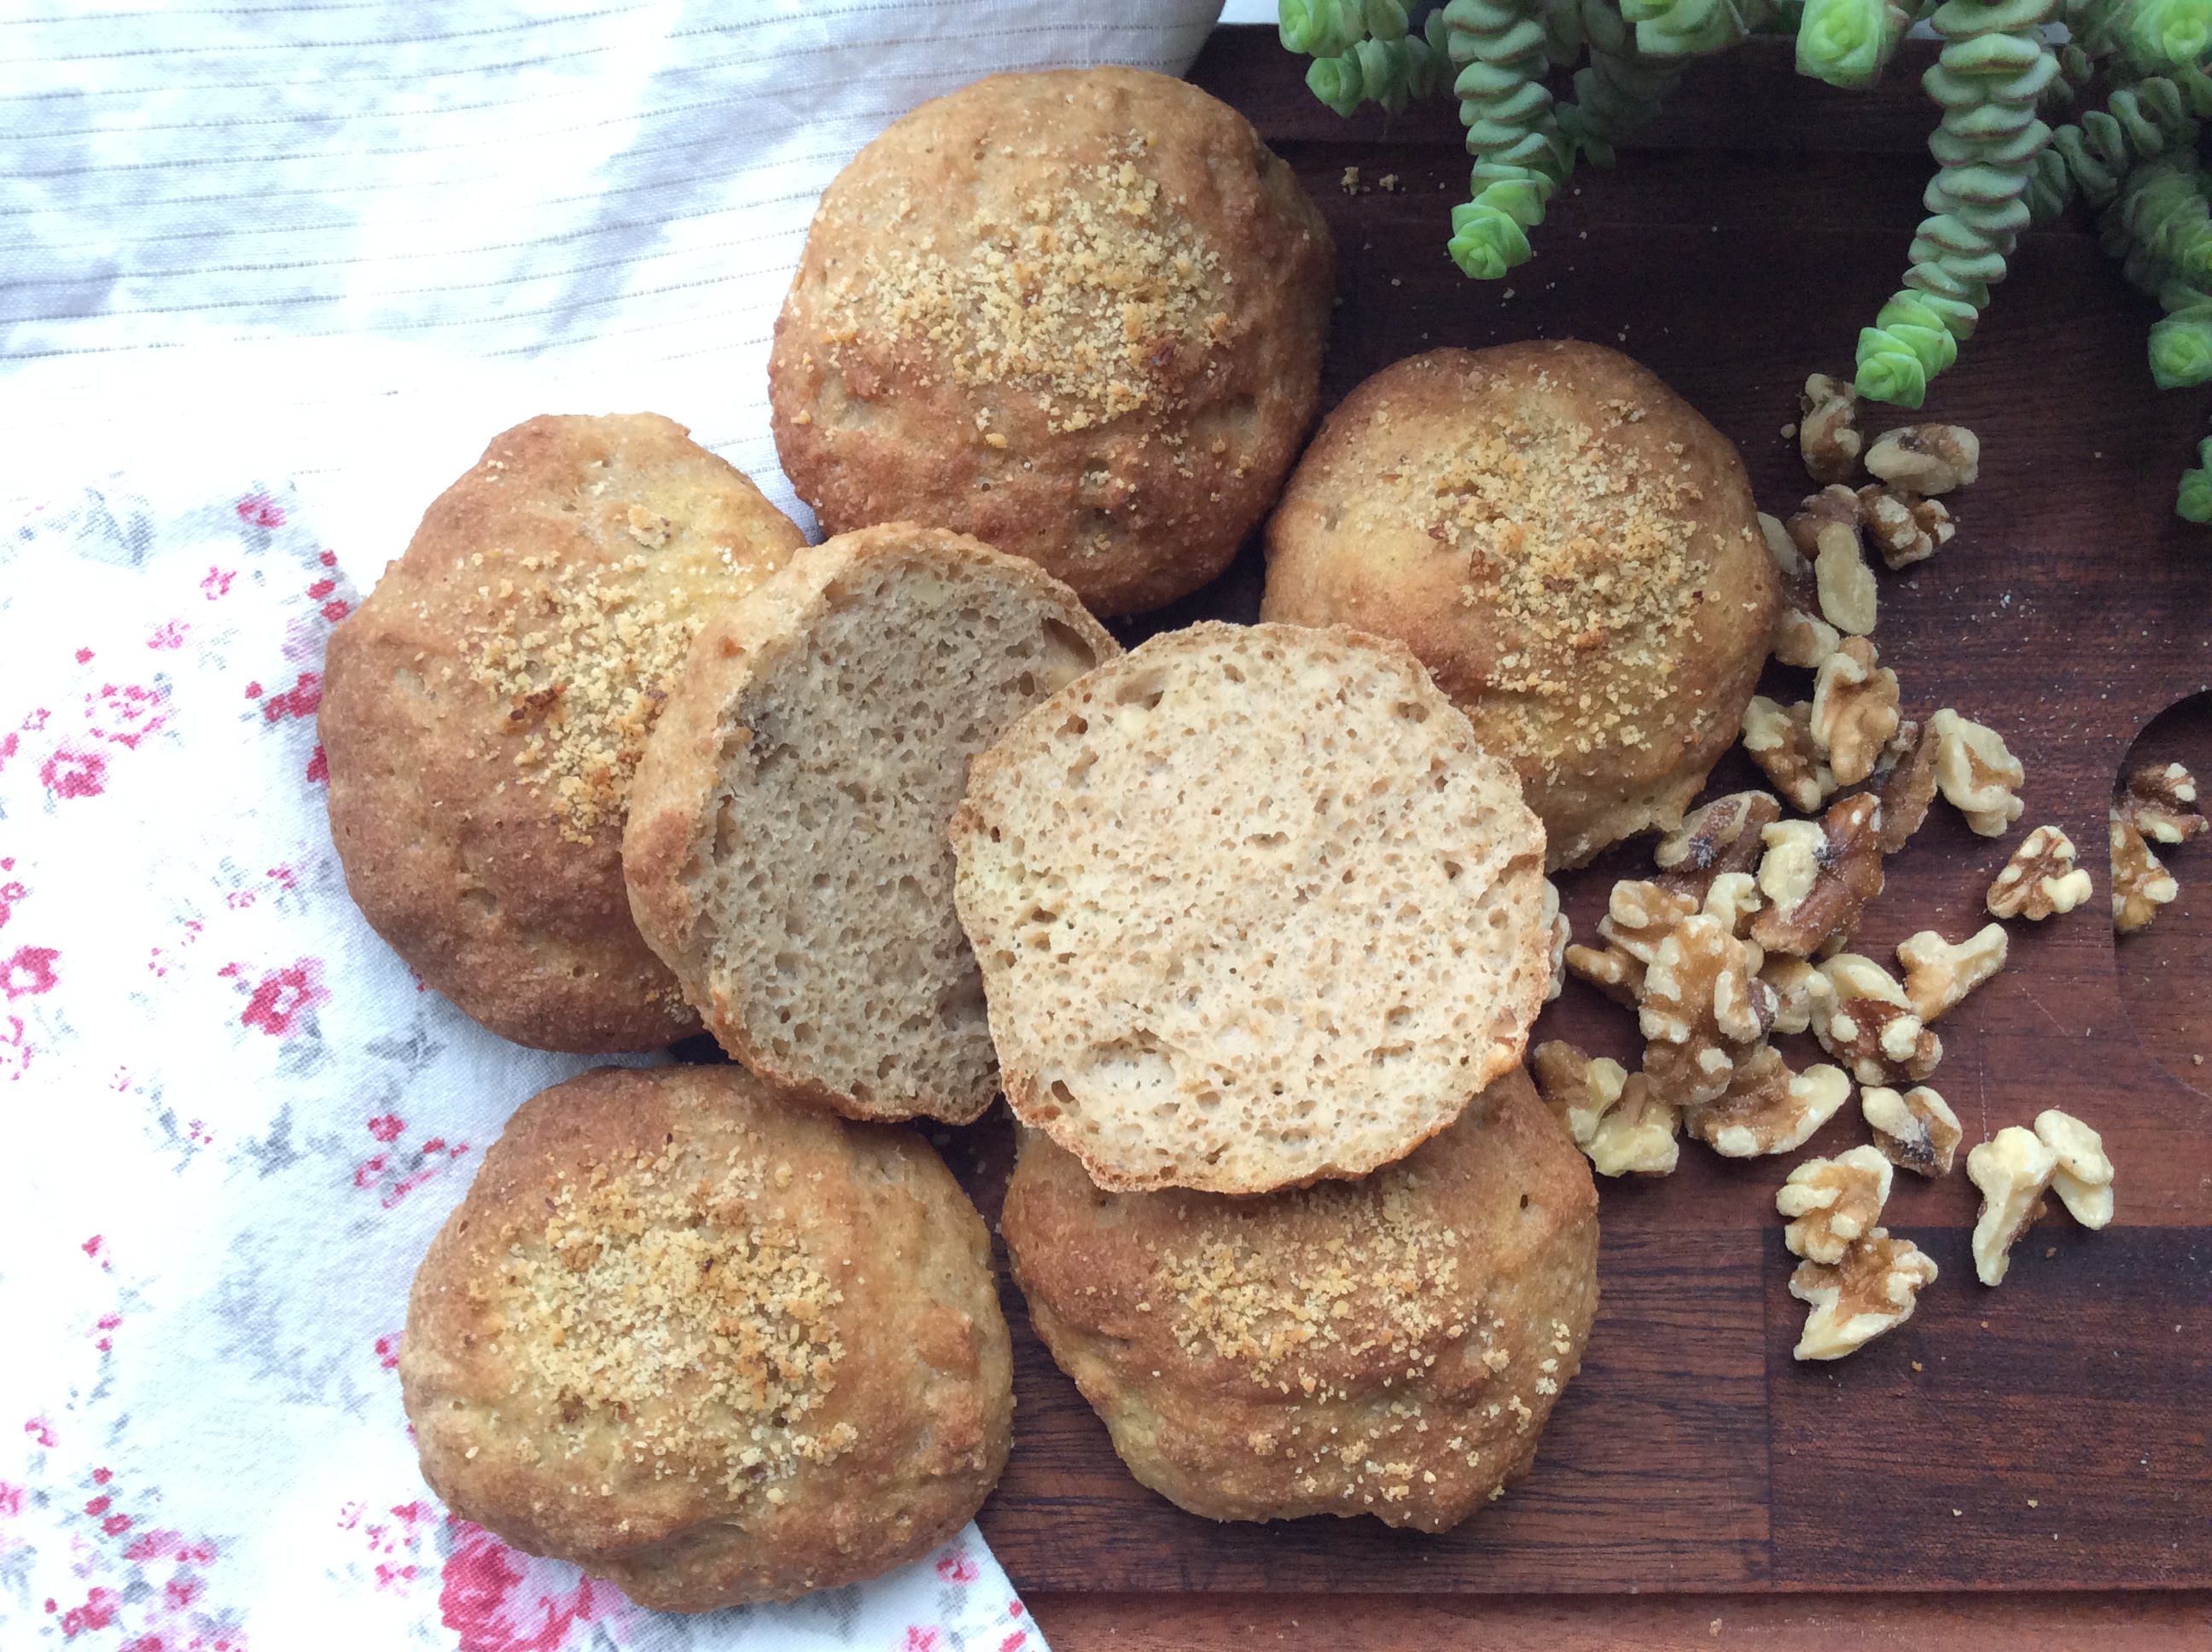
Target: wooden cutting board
2051	1434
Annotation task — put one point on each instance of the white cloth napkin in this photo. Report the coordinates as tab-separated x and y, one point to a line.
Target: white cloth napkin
276	274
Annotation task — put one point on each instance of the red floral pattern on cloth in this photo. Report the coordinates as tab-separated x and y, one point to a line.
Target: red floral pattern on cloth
236	1120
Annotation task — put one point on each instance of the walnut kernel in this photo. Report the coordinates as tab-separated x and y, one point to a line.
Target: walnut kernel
1926	459
1766	1108
1904	529
1781	743
1872	1291
2012	1169
1701	993
1817	883
2141	884
1716	837
1848	594
1854	710
2040	878
1831	1202
1938	975
2083	1178
1826	437
1609	969
1578	1089
1872	1029
2159	801
1800	991
1905	781
1562	932
1916	1130
1976	772
1637	1135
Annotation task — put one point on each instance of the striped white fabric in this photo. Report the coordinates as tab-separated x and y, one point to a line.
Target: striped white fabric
350	240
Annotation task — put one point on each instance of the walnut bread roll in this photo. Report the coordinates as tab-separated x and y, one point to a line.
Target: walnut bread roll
707	1345
786	852
484	709
1077	315
1389	1347
1253	909
1568	545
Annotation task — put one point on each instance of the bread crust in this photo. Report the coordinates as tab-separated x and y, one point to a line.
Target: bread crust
1470	503
677	814
1390	1347
1162	952
467	864
900	390
891	1446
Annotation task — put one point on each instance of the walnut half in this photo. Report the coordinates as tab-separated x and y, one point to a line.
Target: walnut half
2159	801
1832	1201
1817	878
1976	772
1779	739
1926	459
2141	884
2040	878
2083	1177
1825	439
1766	1108
1872	1029
1873	1290
1607	1110
1854	710
1715	838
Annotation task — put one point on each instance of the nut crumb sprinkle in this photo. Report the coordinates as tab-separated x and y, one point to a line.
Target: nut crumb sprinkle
672	1294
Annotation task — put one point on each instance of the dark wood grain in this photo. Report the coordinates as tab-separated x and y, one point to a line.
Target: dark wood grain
1739	244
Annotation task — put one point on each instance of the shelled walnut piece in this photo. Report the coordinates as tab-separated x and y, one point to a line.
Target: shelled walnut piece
1800	993
1873	1290
1715	839
2082	1178
1848	596
1854	711
2012	1169
1916	1130
1826	437
1872	1028
2159	801
1609	1112
1817	877
2140	884
1832	1201
1905	528
1926	459
1802	637
1562	933
1938	975
1905	781
2039	880
1766	1108
1779	739
1976	772
1639	915
1702	1000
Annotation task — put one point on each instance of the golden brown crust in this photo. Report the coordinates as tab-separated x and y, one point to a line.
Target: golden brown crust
854	1405
1390	1346
1471	502
479	823
1119	398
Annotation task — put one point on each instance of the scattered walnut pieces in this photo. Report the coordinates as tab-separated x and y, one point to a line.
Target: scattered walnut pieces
1800	991
1916	1130
1976	771
1854	711
1872	1291
1848	595
1832	1201
1905	781
1926	459
1766	1108
1609	1112
2141	884
1781	743
1871	1029
1817	878
1562	931
1713	840
1938	975
2159	801
2040	878
2083	1177
2012	1169
1824	433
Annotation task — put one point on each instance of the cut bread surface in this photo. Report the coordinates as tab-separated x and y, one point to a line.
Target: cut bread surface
1253	909
787	853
